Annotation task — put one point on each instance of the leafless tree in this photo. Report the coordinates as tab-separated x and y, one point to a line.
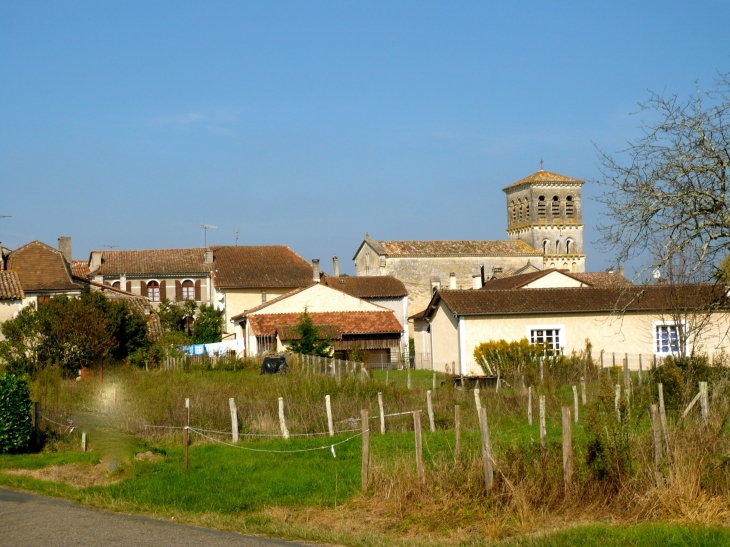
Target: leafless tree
671	184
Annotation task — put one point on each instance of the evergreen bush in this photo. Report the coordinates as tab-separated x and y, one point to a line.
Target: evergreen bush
15	419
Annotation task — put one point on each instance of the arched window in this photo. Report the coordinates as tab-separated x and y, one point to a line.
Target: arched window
541	207
527	211
555	207
557	247
188	290
568	246
153	291
574	268
545	247
116	285
513	212
569	209
521	212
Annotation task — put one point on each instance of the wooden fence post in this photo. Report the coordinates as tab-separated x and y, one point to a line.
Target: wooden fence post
704	403
429	406
575	403
457	434
543	428
641	368
234	419
419	446
408	383
330	422
529	405
583	390
477	402
365	421
282	419
382	413
657	440
567	448
83	442
627	375
433	382
486	450
616	398
663	416
386	378
187	430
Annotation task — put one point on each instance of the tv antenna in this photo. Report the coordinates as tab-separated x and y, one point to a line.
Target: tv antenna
205	233
111	246
236	237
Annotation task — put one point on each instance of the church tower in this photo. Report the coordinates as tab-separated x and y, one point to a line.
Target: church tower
544	211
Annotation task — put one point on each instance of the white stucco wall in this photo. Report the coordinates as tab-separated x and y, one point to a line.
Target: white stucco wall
319	299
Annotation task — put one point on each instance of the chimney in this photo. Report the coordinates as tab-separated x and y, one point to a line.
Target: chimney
209	257
315	270
452	281
123	282
64	245
476	281
481	275
335	266
95	261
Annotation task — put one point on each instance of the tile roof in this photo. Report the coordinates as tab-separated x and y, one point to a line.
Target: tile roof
260	267
545	177
362	286
41	268
347	322
603	279
456	248
580	299
515	281
154	262
80	268
10	288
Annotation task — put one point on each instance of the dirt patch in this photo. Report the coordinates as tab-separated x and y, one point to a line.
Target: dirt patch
75	474
148	456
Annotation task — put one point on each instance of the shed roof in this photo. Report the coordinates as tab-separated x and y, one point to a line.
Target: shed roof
366	286
349	322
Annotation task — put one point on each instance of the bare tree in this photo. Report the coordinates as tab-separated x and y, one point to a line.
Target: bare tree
671	184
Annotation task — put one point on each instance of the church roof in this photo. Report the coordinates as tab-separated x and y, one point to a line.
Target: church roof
545	177
452	248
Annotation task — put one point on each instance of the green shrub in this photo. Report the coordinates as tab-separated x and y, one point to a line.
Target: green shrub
15	420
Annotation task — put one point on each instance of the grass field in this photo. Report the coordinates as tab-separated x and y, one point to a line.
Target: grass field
315	496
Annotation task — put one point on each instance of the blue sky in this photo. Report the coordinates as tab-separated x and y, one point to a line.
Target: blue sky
310	123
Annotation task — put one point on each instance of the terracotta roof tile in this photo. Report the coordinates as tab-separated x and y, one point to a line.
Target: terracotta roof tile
603	279
80	268
10	288
348	322
584	299
544	177
262	266
361	286
154	262
515	281
457	248
41	268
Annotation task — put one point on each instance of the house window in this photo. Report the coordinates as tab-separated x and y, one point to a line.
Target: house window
116	285
188	290
551	336
153	291
666	338
541	207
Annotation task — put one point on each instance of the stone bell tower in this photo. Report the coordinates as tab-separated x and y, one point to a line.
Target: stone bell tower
544	210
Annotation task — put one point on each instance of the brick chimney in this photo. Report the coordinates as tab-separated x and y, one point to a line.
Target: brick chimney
452	281
335	266
315	270
64	245
209	257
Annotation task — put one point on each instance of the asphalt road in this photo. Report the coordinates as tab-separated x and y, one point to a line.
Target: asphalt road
28	520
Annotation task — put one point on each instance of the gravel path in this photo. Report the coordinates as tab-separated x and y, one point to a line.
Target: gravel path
29	520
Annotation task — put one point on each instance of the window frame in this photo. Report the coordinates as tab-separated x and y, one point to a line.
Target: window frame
157	288
191	288
656	325
554	327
